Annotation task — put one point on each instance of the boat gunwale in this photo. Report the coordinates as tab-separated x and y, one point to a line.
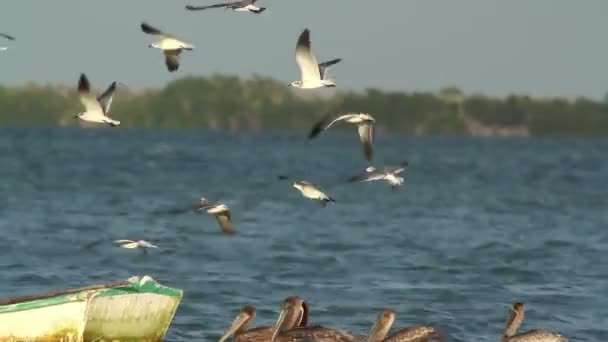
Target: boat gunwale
30	298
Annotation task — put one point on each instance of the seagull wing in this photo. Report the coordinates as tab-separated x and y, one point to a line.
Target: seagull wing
309	68
200	8
365	135
149	29
223	219
7	36
105	99
88	100
396	169
325	123
123	241
325	65
172	59
367	177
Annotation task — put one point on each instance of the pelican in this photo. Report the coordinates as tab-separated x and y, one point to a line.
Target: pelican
172	47
97	109
312	74
310	191
414	334
132	244
221	212
7	36
516	317
388	174
238	328
237	6
283	331
364	122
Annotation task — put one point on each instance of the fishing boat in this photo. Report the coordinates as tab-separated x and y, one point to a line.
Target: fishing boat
139	309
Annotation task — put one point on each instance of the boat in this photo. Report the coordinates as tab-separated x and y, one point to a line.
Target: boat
139	309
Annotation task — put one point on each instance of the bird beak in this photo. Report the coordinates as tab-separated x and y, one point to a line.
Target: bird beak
236	325
278	324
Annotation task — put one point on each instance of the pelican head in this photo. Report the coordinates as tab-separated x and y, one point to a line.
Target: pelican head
516	317
294	313
383	324
240	323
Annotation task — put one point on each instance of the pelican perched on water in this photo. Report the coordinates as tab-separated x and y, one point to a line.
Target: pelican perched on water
97	109
312	74
388	174
221	213
239	328
310	191
364	122
283	331
172	47
413	334
237	6
516	317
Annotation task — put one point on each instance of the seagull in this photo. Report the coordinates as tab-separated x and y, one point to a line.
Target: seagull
364	122
312	74
310	191
238	6
388	174
171	46
221	212
7	36
132	244
96	108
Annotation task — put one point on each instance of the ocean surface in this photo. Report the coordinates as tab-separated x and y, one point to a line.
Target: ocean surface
479	224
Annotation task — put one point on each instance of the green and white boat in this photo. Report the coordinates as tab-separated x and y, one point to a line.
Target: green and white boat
139	309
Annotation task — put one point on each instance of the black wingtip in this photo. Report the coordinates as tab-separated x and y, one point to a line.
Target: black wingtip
83	83
147	28
282	177
316	130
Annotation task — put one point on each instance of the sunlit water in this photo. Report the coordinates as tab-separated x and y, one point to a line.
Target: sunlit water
479	224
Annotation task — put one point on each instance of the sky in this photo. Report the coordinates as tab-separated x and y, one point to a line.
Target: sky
539	47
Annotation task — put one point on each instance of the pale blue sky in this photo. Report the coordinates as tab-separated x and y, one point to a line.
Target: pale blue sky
541	47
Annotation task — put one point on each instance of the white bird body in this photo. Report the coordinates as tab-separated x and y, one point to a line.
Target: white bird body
388	174
312	74
310	191
171	46
132	244
96	109
364	122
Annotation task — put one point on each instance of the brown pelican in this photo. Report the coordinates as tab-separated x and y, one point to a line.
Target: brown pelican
283	331
414	334
516	317
364	122
310	191
221	212
238	328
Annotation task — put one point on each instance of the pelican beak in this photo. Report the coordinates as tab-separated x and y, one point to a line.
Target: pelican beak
278	325
240	319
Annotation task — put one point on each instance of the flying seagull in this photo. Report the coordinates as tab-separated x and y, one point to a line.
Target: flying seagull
313	75
238	6
9	37
364	122
221	212
97	109
171	46
132	244
310	191
388	174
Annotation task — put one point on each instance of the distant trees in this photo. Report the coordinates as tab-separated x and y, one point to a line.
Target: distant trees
232	103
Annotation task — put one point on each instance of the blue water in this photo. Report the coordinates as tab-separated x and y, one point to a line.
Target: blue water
479	224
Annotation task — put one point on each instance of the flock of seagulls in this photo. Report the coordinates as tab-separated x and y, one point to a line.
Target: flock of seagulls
292	323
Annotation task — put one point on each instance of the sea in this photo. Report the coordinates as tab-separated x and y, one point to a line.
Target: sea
479	224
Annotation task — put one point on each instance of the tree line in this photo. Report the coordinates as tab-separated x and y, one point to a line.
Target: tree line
223	102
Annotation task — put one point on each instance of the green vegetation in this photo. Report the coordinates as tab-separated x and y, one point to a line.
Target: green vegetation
231	103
